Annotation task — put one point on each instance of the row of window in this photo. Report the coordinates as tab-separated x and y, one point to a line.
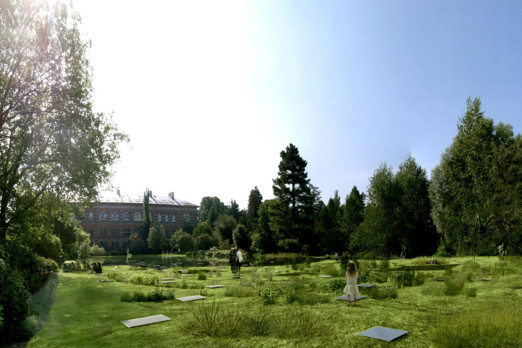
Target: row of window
137	217
116	233
114	244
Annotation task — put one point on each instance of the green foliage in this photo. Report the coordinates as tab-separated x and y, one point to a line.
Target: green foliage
337	285
241	237
404	278
157	239
382	292
15	307
241	291
454	286
484	326
384	266
202	276
331	270
144	279
270	294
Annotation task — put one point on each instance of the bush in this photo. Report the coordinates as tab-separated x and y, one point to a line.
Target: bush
14	299
384	266
453	286
202	276
337	285
144	279
154	296
126	297
118	276
494	325
404	278
331	270
381	293
270	294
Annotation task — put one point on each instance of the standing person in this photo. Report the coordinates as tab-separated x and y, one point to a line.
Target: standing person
239	258
232	258
351	283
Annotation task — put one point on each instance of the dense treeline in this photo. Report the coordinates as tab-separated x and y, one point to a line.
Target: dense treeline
472	205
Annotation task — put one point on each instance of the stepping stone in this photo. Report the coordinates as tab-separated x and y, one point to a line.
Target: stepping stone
185	271
105	280
437	279
383	333
215	286
167	281
166	278
191	298
366	285
345	297
145	320
485	280
325	276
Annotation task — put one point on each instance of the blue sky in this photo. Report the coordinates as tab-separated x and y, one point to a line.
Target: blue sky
222	87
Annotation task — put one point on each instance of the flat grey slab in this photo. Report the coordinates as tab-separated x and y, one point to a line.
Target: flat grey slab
166	278
345	297
145	320
215	286
325	276
184	271
167	281
437	279
366	285
191	298
383	333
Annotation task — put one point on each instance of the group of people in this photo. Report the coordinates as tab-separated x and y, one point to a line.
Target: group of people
235	259
96	267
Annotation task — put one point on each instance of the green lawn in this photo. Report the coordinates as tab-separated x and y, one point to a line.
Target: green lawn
88	313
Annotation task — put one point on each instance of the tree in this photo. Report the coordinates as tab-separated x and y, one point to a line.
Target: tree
157	239
144	229
224	227
329	226
182	240
233	209
417	231
476	188
352	216
254	203
293	188
54	149
51	141
241	237
210	209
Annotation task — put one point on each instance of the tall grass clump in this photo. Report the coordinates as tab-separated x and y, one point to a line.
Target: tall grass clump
490	326
241	291
331	270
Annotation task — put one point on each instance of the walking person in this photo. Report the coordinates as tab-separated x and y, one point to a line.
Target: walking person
239	258
351	283
232	259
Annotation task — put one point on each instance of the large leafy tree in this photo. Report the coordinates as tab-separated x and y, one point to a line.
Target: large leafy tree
51	140
292	187
476	189
210	209
157	239
54	148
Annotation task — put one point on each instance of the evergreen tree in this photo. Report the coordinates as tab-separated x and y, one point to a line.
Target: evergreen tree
254	203
145	227
352	216
294	190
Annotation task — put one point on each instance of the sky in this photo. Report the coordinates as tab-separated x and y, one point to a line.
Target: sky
211	92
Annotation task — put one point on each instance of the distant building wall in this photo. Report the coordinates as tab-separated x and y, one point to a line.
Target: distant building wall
111	221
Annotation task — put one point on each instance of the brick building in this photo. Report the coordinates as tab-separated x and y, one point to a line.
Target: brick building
115	216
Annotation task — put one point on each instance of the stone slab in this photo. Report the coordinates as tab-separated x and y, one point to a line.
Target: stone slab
145	320
325	276
167	278
345	297
215	286
191	298
383	333
366	285
167	281
437	279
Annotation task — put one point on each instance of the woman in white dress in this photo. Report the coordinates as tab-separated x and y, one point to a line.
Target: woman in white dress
351	282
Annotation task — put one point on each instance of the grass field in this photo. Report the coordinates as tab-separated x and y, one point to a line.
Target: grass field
462	311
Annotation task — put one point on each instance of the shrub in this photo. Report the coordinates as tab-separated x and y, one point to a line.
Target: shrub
118	276
380	293
15	306
453	286
337	285
126	297
331	270
403	278
139	296
154	296
144	279
202	276
384	266
494	325
270	294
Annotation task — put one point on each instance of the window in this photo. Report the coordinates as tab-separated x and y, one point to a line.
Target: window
115	244
104	232
186	218
159	217
126	216
173	218
126	232
166	217
114	217
91	233
115	232
104	243
137	216
91	216
103	216
125	244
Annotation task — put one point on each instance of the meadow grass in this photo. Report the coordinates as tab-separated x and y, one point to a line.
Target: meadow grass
88	313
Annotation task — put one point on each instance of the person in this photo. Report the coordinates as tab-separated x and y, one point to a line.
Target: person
99	268
239	260
351	283
232	258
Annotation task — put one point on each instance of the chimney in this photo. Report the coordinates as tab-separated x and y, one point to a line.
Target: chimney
171	195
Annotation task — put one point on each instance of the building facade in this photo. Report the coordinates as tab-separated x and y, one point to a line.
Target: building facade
115	216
